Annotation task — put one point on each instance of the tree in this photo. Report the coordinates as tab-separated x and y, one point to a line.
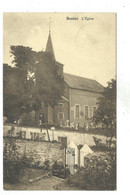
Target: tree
49	85
17	84
24	60
12	90
31	82
106	111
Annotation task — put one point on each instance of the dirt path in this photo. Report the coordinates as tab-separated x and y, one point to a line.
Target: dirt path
48	183
45	183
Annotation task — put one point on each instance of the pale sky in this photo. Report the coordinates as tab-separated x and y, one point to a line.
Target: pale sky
86	47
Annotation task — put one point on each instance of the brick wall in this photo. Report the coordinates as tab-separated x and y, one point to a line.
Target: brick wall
39	150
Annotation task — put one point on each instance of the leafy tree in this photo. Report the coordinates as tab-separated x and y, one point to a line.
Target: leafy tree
106	111
49	85
18	82
11	92
32	82
16	100
24	60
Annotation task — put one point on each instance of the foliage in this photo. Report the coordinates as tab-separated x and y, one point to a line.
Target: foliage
11	93
58	169
27	119
17	92
32	83
49	85
24	60
97	141
13	163
46	165
100	145
106	111
98	174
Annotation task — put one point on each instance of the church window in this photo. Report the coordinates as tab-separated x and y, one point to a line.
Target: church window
60	107
77	111
86	112
94	110
61	115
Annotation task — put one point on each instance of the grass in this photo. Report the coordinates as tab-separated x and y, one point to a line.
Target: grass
46	183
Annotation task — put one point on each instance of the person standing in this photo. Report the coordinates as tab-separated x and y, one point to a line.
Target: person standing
41	121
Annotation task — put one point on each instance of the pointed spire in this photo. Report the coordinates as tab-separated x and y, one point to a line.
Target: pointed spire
49	24
49	46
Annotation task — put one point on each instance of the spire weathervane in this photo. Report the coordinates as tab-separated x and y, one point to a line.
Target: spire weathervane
49	24
49	46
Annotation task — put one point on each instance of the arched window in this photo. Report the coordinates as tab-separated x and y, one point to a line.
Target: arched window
93	110
77	111
86	110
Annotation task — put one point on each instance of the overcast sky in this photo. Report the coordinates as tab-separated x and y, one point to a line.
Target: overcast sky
86	47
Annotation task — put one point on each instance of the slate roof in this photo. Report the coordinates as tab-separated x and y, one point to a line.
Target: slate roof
49	46
82	83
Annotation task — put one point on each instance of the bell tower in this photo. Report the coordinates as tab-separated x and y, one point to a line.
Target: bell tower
49	46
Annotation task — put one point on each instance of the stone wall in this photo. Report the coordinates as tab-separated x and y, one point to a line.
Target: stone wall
39	150
72	136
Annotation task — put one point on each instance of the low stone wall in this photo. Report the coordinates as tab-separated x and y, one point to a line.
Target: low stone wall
38	150
75	137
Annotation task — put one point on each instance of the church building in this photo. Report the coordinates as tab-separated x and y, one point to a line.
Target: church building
78	104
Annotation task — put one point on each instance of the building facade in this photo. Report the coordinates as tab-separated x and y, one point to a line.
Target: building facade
78	104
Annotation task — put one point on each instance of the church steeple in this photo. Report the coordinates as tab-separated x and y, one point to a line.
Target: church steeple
49	46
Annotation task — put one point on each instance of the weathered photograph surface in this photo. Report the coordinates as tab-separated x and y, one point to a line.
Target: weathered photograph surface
59	101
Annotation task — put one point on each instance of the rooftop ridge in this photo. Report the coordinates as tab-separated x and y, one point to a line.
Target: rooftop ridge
80	77
78	82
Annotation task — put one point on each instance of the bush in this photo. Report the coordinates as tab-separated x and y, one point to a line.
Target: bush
13	163
13	170
26	119
58	170
98	142
98	174
46	165
108	145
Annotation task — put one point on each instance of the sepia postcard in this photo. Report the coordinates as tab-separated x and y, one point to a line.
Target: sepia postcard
59	101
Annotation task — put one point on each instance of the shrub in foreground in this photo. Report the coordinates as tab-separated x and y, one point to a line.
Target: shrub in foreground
13	164
98	174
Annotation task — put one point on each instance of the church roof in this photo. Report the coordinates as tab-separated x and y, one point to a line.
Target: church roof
58	63
49	46
82	83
